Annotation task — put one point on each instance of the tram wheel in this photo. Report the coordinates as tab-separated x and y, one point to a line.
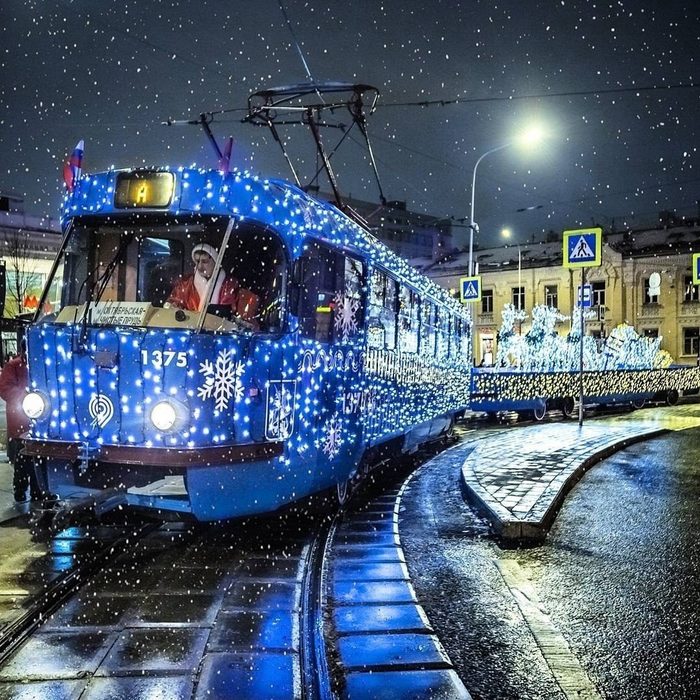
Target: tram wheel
567	407
638	403
540	412
344	490
671	397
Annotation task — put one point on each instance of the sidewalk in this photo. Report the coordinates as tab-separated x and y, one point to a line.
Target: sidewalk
8	508
519	480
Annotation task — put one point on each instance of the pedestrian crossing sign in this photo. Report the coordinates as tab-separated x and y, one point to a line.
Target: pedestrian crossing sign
470	289
583	247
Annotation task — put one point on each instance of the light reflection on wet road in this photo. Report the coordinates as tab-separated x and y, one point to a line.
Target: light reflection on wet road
617	578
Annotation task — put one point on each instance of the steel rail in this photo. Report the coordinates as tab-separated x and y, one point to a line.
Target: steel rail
316	680
50	599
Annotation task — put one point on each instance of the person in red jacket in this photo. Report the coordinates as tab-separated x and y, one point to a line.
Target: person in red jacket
14	382
190	292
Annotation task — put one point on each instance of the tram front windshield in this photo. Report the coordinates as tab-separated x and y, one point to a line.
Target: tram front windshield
141	272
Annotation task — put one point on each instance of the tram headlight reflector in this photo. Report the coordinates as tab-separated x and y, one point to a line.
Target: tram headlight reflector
169	416
35	405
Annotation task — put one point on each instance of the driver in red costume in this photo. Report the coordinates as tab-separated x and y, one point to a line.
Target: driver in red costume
191	291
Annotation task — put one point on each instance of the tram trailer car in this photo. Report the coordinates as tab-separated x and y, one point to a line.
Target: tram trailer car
496	390
333	348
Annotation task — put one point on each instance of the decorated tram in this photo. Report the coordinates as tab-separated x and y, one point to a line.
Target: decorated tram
311	347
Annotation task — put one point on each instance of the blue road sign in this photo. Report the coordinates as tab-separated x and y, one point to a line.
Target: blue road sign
586	299
470	289
583	247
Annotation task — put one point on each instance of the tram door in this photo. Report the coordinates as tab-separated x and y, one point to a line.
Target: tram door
331	315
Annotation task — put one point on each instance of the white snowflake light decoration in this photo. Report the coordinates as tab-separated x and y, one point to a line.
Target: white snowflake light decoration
332	436
345	314
222	380
280	411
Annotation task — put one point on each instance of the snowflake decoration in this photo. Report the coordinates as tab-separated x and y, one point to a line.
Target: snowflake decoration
222	380
332	436
280	407
345	314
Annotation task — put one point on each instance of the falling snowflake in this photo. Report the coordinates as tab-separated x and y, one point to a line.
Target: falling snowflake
332	436
222	380
345	314
280	410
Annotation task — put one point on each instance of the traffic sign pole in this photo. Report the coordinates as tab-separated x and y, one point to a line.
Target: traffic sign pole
580	358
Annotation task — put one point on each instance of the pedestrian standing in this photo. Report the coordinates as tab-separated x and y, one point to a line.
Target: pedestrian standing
14	382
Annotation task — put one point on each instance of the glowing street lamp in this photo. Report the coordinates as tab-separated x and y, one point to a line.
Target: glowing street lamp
527	139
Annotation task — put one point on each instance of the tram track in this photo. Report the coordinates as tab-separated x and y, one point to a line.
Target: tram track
49	599
228	601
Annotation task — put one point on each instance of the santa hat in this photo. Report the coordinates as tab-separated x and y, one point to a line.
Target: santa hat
205	248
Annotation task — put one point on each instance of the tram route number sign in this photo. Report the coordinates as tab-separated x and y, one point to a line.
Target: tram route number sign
583	247
470	289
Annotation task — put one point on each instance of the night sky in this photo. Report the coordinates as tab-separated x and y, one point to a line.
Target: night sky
617	153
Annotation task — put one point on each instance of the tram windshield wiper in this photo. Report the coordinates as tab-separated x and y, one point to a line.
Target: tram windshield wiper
98	286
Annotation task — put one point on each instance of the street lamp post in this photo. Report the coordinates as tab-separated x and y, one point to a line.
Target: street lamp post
472	223
530	137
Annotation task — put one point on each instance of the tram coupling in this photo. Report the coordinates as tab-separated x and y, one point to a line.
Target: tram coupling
53	514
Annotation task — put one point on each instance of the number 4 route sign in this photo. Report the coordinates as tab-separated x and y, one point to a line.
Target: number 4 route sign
583	247
470	289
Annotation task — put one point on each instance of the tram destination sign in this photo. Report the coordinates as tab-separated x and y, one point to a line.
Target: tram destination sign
144	189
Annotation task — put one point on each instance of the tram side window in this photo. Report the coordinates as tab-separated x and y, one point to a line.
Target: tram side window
460	339
331	296
465	341
381	326
427	328
255	258
443	334
409	306
455	332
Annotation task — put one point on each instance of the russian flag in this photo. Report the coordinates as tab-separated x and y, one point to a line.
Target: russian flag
74	167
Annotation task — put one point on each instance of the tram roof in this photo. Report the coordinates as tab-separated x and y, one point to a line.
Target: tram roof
286	208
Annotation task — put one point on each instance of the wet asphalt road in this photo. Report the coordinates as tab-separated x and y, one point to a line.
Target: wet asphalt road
617	581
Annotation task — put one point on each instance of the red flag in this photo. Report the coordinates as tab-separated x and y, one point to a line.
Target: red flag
74	167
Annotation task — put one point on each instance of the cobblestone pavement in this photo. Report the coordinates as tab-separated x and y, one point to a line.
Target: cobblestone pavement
519	478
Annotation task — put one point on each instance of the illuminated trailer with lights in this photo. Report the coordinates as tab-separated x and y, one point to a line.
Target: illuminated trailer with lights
498	390
309	347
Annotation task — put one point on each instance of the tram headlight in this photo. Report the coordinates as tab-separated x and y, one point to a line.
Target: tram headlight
35	405
169	415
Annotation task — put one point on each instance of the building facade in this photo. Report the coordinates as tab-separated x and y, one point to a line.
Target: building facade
623	288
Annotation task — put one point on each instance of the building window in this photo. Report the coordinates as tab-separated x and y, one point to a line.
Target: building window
650	333
487	301
692	292
649	298
551	296
598	291
691	341
518	297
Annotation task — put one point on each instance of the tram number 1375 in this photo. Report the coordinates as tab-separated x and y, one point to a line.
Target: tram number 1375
163	358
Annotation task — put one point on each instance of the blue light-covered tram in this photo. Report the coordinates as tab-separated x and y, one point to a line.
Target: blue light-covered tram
328	348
